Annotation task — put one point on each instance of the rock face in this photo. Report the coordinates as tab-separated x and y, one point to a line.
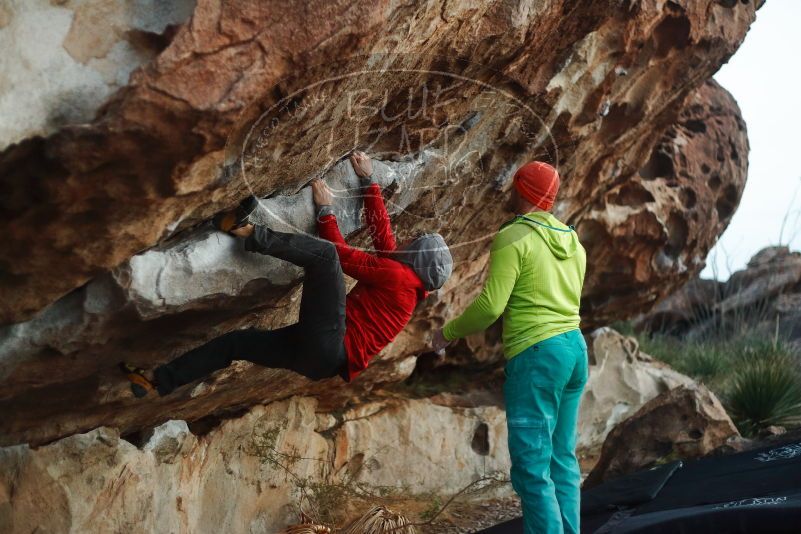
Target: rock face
69	56
449	97
685	422
622	379
599	86
252	473
765	295
647	234
292	453
143	121
773	272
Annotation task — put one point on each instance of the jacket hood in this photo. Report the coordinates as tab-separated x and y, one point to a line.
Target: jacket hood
430	258
560	238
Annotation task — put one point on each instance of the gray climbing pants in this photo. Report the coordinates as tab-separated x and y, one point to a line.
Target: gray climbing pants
312	347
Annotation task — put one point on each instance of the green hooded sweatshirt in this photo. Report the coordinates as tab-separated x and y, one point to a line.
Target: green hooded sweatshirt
536	273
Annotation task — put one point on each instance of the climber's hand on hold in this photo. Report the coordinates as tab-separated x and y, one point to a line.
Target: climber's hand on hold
321	193
361	164
243	231
438	342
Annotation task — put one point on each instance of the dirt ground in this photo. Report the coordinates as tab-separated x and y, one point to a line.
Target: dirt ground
468	517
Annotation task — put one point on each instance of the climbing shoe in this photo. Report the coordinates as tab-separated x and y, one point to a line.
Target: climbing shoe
236	218
140	385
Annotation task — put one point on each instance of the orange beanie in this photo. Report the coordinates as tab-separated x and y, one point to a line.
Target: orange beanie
538	183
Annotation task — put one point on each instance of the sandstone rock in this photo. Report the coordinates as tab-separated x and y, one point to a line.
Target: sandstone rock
238	103
650	235
601	85
767	291
771	272
70	56
440	450
137	313
169	440
622	379
683	423
98	482
683	309
244	475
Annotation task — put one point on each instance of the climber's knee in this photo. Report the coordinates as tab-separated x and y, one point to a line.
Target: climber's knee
321	357
322	371
326	258
328	251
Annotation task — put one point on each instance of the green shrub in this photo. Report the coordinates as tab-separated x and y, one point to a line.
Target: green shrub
625	328
705	361
662	347
751	348
757	375
764	392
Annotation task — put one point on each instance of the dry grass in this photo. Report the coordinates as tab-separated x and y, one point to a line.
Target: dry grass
381	520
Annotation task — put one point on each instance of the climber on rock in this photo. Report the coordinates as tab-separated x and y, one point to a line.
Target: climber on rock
336	334
536	272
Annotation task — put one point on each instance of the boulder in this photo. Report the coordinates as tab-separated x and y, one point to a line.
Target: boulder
109	257
683	309
444	449
772	272
682	423
71	56
108	186
647	235
766	293
622	379
250	473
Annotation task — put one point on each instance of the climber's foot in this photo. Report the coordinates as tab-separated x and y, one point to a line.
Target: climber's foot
141	385
236	218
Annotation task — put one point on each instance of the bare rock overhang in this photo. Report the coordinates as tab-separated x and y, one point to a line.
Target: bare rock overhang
607	82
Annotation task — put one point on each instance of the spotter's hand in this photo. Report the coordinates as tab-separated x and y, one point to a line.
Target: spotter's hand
438	341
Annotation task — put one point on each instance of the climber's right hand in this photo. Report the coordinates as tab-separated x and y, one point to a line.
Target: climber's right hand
361	164
321	193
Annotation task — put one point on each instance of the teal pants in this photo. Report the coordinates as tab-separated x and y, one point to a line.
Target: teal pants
543	390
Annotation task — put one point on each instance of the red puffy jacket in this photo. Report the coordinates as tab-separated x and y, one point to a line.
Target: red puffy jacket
382	302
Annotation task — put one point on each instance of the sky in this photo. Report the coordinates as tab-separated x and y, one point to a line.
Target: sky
764	75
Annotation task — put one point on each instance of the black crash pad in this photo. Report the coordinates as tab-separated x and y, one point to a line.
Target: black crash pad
756	491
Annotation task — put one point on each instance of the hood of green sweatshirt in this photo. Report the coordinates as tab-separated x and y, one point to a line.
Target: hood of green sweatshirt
560	238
